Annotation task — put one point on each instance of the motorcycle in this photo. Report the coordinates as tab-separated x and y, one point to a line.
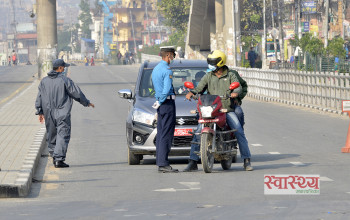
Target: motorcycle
218	141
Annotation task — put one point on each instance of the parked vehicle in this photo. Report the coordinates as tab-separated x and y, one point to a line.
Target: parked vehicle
217	139
141	121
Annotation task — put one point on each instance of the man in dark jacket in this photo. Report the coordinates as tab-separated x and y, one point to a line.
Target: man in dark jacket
252	57
54	104
216	82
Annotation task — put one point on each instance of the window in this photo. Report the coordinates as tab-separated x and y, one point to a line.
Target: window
180	75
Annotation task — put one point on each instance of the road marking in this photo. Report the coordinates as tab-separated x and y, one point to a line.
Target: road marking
257	145
326	179
274	153
165	190
297	163
16	92
190	185
348	192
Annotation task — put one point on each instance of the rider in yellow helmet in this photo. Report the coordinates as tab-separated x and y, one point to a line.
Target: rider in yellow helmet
216	82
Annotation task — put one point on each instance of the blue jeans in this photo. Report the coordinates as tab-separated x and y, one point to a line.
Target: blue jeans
236	121
240	114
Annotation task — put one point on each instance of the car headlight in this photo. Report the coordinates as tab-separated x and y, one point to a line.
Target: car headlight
206	111
143	117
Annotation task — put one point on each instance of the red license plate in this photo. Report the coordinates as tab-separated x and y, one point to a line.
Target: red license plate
182	132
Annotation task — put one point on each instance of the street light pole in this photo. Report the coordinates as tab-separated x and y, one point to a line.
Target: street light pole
264	38
47	35
326	26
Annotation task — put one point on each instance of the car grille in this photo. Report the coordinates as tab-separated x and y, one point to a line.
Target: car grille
180	141
186	120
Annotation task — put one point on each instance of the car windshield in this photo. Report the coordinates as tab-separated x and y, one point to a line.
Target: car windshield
180	76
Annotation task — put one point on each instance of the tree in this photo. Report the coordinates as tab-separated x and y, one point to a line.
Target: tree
251	15
97	11
176	13
85	18
336	47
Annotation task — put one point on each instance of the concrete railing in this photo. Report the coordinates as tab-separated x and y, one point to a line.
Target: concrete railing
150	58
323	91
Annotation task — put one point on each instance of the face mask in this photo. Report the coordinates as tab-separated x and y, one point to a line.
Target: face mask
211	67
65	71
171	61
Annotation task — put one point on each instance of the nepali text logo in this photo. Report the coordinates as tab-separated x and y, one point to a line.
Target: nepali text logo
292	184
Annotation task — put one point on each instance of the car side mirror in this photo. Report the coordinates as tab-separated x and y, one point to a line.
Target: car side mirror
234	85
189	85
125	93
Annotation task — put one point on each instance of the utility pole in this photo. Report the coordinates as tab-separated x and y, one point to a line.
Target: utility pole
47	35
273	35
133	32
234	46
299	20
264	38
326	26
238	31
149	36
280	28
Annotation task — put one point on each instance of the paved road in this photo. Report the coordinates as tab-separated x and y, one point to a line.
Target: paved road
15	79
100	184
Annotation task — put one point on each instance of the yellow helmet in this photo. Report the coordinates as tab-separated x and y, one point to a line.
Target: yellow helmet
217	58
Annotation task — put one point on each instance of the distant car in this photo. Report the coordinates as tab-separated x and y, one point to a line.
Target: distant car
141	121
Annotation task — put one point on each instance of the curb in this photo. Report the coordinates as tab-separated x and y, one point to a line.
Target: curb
22	185
270	99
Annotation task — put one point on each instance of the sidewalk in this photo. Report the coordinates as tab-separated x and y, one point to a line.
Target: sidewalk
21	142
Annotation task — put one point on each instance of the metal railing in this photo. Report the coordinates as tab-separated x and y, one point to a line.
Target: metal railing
324	90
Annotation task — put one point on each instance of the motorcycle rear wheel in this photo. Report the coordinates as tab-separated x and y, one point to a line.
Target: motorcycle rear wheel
207	156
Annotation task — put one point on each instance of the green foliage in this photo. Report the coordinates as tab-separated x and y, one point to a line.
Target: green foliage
85	18
336	48
63	38
250	41
309	43
97	11
251	15
176	13
294	42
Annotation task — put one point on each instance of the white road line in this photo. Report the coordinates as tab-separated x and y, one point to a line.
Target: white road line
257	145
326	179
274	152
190	185
297	163
165	190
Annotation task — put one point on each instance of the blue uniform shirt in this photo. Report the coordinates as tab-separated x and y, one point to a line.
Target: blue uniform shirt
162	78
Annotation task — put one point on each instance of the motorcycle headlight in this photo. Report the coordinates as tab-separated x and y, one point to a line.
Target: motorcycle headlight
143	117
206	111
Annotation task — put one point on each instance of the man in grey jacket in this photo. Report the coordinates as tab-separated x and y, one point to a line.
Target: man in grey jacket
54	104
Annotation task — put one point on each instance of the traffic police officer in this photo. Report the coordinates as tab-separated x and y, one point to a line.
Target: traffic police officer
162	78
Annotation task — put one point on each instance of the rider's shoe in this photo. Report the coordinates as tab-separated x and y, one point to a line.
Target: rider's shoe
247	165
192	166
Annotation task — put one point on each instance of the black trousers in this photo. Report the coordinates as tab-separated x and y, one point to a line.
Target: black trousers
165	131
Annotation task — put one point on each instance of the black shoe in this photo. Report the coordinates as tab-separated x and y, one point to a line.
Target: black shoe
167	169
60	164
247	165
192	166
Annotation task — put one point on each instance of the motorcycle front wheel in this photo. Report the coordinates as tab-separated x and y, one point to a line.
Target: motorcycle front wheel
207	156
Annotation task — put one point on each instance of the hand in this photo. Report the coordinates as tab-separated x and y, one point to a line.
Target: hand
234	95
156	105
91	105
41	119
189	95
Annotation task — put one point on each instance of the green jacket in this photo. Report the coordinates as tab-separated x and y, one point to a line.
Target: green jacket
220	86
